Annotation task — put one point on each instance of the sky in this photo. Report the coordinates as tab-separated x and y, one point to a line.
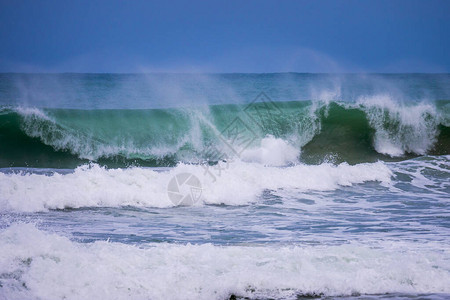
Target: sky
225	36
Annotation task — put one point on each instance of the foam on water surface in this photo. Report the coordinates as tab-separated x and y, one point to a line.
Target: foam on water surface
337	185
92	185
37	264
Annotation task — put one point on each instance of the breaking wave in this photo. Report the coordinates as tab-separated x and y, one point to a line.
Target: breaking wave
35	264
312	132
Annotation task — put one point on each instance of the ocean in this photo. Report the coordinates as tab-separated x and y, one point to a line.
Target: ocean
224	186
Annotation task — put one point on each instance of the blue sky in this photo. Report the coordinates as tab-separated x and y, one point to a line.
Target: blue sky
224	36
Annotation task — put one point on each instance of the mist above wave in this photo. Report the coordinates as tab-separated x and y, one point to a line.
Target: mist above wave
370	129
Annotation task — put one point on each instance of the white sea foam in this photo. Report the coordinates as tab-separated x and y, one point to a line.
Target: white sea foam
429	174
36	264
235	183
37	123
272	152
401	128
32	112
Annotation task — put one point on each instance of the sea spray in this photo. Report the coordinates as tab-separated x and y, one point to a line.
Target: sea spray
371	129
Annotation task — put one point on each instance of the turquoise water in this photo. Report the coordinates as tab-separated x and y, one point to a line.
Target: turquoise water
213	186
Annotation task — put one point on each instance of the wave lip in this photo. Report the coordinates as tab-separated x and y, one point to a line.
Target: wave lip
376	128
36	264
400	129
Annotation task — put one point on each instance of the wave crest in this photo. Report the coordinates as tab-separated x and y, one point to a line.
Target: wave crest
368	130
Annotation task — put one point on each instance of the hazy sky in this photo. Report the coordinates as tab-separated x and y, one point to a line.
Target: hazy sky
224	36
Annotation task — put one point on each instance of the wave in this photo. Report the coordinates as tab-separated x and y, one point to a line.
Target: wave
363	131
37	264
96	186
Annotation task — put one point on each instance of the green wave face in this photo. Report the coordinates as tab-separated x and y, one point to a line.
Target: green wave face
358	132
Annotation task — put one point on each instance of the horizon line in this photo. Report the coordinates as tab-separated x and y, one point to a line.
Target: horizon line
221	73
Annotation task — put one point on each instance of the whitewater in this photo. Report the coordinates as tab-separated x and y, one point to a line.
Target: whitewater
224	186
